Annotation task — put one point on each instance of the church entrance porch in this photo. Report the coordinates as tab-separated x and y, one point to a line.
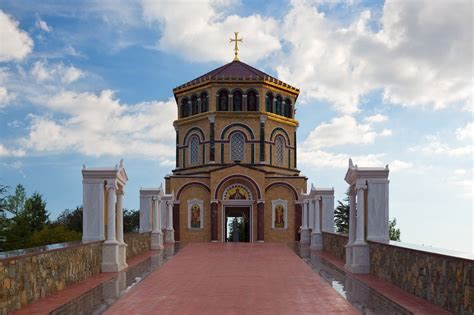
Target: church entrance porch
237	224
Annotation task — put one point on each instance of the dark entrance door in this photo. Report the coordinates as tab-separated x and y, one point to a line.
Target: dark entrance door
237	224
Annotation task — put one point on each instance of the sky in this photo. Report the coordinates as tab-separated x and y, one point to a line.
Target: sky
389	82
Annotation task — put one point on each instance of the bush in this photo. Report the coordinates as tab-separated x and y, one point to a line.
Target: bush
52	235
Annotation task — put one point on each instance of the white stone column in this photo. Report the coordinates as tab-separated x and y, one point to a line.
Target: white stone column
169	227
352	228
311	214
111	232
120	216
156	233
316	236
360	234
360	249
304	229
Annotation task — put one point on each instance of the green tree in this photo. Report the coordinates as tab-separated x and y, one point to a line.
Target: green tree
71	219
341	216
3	198
393	233
131	220
53	235
16	202
35	212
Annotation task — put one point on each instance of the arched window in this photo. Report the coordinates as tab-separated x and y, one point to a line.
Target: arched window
252	101
278	105
223	100
204	102
194	150
279	150
237	101
269	102
237	147
185	107
194	105
288	108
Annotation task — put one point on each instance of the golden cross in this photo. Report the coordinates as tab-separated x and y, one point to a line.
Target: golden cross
236	47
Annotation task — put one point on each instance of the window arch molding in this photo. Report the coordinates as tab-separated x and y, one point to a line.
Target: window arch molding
237	100
185	107
241	125
252	96
269	102
204	101
280	131
222	98
193	131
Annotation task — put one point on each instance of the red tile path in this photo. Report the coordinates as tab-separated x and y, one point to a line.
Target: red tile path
233	279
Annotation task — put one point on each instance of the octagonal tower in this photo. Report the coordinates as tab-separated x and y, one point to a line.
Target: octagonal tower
236	130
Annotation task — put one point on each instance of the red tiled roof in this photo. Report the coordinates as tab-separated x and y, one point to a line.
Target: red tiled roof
235	70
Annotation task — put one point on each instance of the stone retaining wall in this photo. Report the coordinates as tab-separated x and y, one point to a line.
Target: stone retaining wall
24	279
137	243
334	243
443	280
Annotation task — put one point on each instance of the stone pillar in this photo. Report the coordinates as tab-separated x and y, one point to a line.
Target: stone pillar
111	219
298	223
352	228
112	255
122	246
260	220
360	249
156	233
316	236
120	216
214	206
304	229
310	215
169	233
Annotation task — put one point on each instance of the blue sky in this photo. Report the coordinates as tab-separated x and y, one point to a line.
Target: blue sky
381	82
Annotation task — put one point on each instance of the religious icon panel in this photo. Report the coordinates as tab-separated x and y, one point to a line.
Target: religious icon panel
195	214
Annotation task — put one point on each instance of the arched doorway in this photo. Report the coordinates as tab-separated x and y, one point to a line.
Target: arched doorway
237	214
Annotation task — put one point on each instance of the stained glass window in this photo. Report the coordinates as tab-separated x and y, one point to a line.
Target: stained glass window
223	100
269	103
251	101
204	102
237	100
237	147
278	105
194	148
279	150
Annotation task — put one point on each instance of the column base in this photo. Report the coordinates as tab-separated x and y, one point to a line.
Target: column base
316	241
169	236
304	236
156	241
360	258
113	257
260	241
214	241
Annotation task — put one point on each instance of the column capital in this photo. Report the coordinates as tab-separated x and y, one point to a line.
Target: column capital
260	201
263	118
306	201
360	187
111	186
214	201
212	118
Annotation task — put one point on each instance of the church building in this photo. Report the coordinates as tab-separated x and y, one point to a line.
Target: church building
236	161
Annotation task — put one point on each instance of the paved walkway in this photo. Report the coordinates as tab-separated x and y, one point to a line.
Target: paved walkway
233	279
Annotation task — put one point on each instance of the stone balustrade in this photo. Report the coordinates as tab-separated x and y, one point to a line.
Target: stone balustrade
28	275
441	277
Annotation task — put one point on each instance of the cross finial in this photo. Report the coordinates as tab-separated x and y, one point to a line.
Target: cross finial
236	47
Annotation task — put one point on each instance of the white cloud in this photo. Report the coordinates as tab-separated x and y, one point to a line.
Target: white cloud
16	43
422	54
42	25
320	159
375	118
200	30
98	125
398	165
435	146
7	152
462	179
466	132
42	71
5	96
342	131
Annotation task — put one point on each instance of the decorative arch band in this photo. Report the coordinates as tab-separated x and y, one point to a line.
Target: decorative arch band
274	131
182	188
291	188
225	179
193	129
227	128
